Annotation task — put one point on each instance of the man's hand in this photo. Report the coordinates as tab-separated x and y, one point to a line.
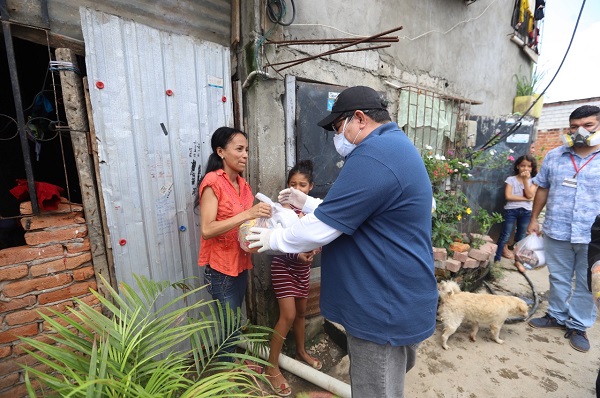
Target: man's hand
533	227
292	197
262	237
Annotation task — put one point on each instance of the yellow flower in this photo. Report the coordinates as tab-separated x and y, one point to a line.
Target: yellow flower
468	211
459	217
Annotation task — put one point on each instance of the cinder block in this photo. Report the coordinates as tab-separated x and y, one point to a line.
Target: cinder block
478	255
440	254
471	263
453	265
460	256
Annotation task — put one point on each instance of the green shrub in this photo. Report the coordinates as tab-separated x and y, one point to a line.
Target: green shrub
142	350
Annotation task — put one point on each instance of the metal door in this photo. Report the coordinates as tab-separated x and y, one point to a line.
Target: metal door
156	99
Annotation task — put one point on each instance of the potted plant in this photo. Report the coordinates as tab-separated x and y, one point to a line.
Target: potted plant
526	95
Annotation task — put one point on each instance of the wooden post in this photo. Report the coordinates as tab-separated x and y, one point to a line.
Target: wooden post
75	110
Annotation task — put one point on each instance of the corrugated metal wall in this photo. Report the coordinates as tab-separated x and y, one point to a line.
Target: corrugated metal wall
149	174
206	19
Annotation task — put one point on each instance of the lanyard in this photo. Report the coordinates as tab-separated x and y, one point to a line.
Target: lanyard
577	170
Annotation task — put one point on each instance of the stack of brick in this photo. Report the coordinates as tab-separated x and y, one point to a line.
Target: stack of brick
47	274
463	256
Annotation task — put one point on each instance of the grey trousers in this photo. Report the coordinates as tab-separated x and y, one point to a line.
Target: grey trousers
378	371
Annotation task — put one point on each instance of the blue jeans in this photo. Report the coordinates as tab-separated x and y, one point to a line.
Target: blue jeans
572	305
518	216
228	290
378	370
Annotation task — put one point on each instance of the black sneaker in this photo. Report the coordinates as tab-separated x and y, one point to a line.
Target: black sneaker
578	340
545	322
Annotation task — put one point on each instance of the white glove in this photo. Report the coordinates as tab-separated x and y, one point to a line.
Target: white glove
292	197
262	238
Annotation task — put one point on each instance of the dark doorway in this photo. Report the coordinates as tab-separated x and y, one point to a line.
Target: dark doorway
49	146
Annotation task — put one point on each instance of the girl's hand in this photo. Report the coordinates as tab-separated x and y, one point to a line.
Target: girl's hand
525	174
259	210
306	258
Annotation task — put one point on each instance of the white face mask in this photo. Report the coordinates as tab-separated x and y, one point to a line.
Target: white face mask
342	145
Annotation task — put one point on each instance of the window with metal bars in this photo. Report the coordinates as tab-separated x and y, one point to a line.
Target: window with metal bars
36	156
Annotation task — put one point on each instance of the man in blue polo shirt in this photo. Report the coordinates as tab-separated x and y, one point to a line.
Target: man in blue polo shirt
377	276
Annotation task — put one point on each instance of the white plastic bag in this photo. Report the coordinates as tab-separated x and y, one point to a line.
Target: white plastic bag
279	216
529	251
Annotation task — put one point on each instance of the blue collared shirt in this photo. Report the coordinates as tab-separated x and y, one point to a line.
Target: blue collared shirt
570	211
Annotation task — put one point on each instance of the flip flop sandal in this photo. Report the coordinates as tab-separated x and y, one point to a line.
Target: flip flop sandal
284	389
253	366
316	364
508	254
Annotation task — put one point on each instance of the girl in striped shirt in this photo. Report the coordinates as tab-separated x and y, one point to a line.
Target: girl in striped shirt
290	275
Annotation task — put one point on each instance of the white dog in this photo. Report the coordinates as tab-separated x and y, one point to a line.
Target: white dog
487	309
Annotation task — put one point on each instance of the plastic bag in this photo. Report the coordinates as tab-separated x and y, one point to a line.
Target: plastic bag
529	251
279	215
244	231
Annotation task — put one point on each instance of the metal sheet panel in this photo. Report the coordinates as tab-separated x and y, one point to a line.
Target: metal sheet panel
149	175
208	19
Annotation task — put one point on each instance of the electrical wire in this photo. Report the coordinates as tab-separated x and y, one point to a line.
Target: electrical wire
452	28
53	125
497	139
276	10
6	126
402	37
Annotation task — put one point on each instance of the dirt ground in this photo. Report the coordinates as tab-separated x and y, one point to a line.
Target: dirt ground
531	363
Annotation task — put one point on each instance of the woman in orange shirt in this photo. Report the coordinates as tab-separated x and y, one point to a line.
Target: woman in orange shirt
225	200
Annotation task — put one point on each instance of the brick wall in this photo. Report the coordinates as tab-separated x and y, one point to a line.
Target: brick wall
52	269
554	122
546	140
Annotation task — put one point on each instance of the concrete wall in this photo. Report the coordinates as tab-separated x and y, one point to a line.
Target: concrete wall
206	20
456	49
446	46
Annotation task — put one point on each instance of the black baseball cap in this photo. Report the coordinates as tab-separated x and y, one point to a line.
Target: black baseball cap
352	99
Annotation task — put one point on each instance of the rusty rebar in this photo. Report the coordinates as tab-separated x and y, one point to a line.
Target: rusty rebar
389	39
335	50
341	51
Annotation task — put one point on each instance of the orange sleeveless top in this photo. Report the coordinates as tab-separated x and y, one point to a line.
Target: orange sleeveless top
223	252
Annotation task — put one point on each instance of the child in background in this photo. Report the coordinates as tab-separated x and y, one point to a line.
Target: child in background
290	275
519	193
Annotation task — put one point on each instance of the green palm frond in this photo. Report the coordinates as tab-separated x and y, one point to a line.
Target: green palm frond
145	349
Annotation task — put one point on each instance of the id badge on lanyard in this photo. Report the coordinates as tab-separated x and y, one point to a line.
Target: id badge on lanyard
569	182
572	182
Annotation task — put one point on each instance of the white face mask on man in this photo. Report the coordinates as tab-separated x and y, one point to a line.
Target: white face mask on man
341	143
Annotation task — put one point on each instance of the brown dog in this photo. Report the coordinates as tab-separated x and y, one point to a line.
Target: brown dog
488	309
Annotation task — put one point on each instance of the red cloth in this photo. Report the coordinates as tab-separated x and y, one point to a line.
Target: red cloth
48	195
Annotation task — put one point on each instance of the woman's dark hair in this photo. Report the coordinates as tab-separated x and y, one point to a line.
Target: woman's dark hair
304	167
529	158
220	138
